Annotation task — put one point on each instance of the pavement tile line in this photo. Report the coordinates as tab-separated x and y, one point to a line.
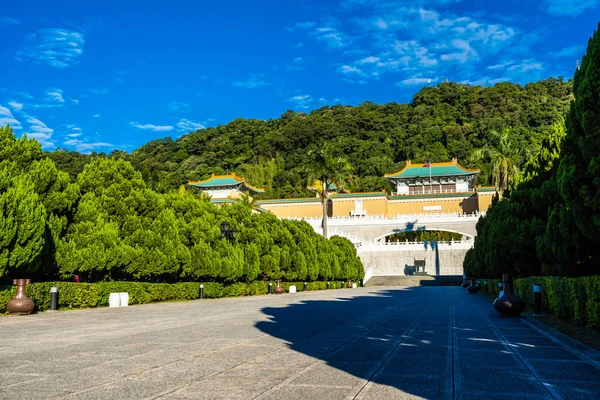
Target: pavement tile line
321	360
362	392
138	375
562	344
456	380
307	338
551	391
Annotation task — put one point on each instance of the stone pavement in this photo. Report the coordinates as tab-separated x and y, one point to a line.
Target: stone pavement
368	343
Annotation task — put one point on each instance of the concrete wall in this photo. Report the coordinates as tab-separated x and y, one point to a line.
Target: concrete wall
390	263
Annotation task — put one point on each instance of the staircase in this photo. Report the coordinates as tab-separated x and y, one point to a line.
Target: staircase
414	280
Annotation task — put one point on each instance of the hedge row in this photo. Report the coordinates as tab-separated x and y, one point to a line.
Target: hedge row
576	299
86	295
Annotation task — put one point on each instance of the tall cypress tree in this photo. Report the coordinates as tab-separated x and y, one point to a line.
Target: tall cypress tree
579	168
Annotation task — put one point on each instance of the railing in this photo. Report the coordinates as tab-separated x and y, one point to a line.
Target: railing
379	219
415	192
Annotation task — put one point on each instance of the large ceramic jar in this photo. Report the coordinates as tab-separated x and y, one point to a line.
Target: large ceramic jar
279	289
20	304
509	304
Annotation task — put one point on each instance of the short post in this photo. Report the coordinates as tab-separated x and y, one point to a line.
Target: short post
305	286
201	291
327	285
500	289
53	298
270	287
341	287
537	299
485	287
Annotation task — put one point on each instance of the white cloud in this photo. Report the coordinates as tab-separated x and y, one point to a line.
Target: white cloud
254	81
302	101
417	80
96	116
526	66
331	35
347	69
83	146
466	53
150	127
55	95
9	21
59	48
569	7
5	112
176	106
500	66
7	118
189	126
99	90
369	60
571	51
40	131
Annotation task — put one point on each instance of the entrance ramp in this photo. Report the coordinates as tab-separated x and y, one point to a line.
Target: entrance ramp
414	280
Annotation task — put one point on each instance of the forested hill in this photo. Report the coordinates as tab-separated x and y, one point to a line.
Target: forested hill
445	121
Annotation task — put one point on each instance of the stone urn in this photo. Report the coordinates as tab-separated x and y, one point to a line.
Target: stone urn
20	304
474	288
279	289
509	304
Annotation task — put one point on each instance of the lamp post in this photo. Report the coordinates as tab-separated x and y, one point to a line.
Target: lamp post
228	233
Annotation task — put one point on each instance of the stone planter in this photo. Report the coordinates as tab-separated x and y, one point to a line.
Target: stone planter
473	288
509	304
279	289
20	304
349	285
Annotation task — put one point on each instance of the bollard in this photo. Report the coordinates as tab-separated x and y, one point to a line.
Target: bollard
537	299
201	291
341	287
500	288
305	286
270	287
327	285
485	287
53	298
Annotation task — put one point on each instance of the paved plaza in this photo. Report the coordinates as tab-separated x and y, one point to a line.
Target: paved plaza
367	343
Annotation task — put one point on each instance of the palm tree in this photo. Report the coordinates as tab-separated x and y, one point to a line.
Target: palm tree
326	168
505	156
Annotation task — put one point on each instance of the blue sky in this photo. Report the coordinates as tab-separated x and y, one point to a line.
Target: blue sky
117	74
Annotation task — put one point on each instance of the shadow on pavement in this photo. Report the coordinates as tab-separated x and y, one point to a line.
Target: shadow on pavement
355	335
434	343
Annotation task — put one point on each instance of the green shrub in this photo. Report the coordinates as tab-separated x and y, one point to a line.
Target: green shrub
576	299
85	295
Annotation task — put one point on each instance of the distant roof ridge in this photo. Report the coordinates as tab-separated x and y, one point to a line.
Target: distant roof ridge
233	176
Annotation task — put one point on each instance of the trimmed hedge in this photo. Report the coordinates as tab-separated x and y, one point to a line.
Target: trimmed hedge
86	295
576	299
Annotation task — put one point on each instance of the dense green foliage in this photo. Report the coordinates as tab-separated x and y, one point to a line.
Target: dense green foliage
85	295
108	225
576	299
548	223
444	121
